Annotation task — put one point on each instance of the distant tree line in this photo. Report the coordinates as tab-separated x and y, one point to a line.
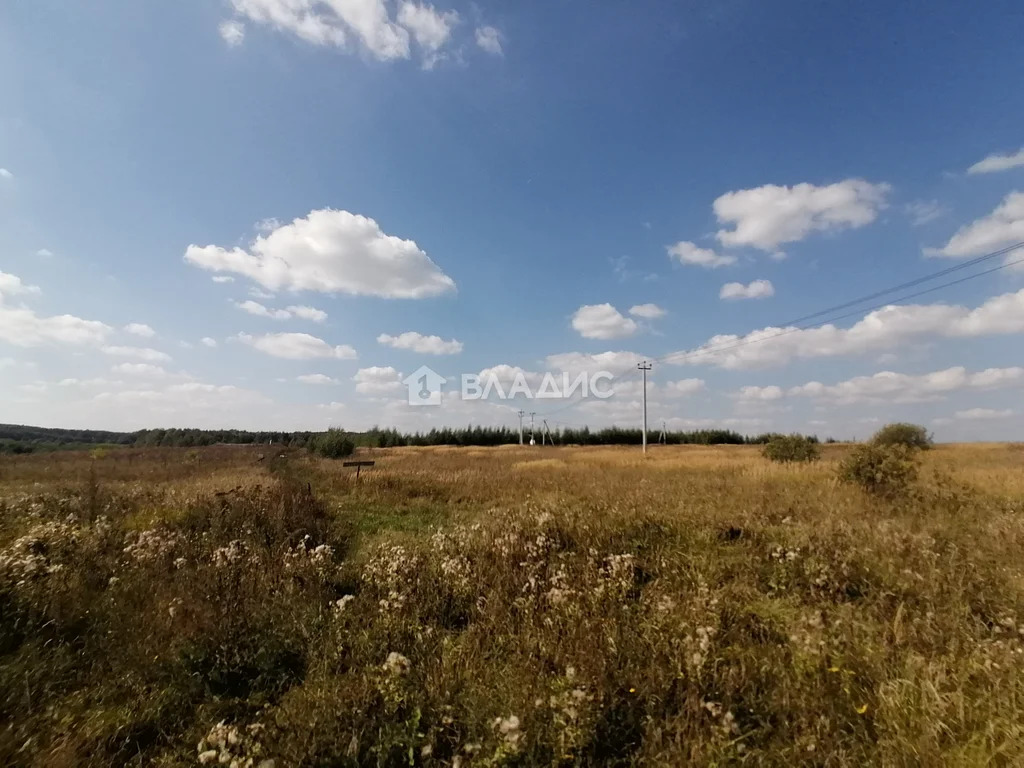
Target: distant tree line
21	439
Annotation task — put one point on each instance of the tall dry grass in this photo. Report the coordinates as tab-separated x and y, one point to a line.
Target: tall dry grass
510	607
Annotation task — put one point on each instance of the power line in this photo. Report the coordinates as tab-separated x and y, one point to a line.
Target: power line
807	326
908	284
787	331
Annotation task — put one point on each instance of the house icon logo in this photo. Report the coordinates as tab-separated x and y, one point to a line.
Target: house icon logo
424	386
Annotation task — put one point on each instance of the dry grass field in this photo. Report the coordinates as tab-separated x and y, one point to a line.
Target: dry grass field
509	607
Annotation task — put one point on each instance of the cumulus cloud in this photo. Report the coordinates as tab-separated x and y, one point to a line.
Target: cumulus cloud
12	285
758	289
308	313
430	27
206	341
489	39
760	394
139	353
686	252
365	25
602	321
232	32
769	216
44	253
5	174
332	252
140	329
1003	227
879	330
684	387
296	346
223	279
316	378
887	386
994	163
377	380
578	362
417	342
22	327
647	311
255	308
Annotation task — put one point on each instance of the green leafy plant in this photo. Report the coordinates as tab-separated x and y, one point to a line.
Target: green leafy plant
333	444
901	433
790	448
883	470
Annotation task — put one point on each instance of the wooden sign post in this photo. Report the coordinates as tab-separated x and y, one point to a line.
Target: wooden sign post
358	465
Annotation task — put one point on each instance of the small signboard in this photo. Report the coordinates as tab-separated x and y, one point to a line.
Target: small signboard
358	465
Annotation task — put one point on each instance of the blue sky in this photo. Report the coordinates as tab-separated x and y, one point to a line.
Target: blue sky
494	175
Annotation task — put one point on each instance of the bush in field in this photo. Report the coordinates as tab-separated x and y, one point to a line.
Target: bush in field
788	448
333	444
882	470
907	435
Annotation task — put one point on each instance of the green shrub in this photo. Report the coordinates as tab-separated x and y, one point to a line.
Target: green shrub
907	435
333	444
883	470
787	448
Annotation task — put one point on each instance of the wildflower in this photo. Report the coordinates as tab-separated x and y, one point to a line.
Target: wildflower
338	606
397	664
509	731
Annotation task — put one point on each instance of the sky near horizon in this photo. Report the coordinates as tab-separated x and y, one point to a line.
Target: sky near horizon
267	213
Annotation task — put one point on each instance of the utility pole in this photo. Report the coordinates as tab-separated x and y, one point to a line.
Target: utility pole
663	438
521	414
532	441
551	438
645	367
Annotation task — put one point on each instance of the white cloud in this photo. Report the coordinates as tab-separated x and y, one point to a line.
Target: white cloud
983	413
140	329
686	252
332	252
232	32
44	253
578	362
377	380
1003	227
758	289
647	311
887	386
308	313
223	279
139	369
762	394
489	39
994	163
139	353
206	341
769	216
367	22
297	346
11	285
5	174
602	321
22	327
268	224
879	330
923	211
684	387
316	378
255	308
417	342
430	27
